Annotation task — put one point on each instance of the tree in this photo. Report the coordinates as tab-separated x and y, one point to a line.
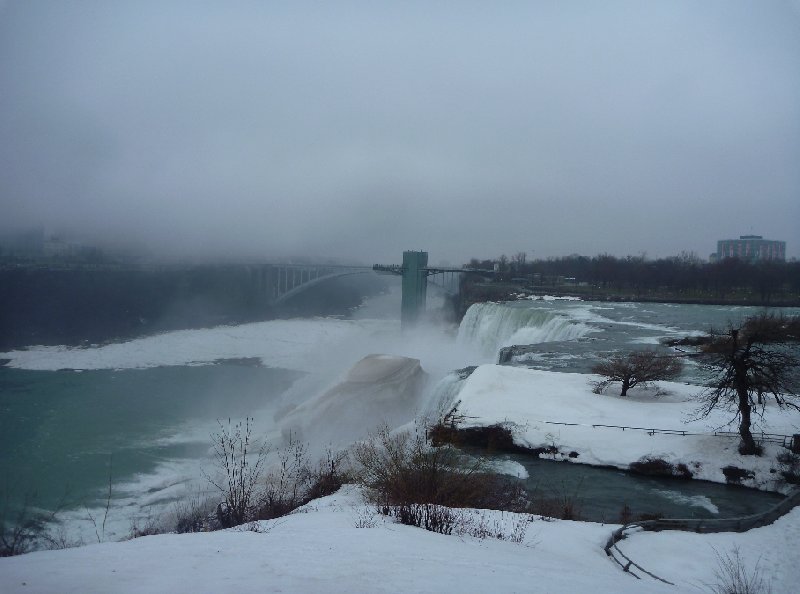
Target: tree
637	368
751	364
518	261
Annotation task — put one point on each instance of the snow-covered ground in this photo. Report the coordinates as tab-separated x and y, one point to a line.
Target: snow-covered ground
531	401
338	544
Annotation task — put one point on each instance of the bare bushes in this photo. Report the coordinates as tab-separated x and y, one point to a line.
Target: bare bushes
241	463
293	482
402	468
419	484
652	466
790	467
431	517
734	577
194	514
25	528
461	522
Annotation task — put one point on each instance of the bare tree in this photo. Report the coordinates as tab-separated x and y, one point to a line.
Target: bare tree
518	261
636	369
752	364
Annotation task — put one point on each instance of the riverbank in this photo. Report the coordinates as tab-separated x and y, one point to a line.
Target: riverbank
559	416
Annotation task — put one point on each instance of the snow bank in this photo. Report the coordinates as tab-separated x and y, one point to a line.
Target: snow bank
535	402
290	344
321	549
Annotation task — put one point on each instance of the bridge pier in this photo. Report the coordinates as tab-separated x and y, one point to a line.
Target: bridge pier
415	287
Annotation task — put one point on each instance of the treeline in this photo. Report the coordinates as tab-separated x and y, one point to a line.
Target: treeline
683	277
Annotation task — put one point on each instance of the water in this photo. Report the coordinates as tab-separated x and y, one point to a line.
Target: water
65	431
600	494
141	412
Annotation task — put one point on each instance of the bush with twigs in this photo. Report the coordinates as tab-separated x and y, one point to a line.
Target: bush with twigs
734	577
417	483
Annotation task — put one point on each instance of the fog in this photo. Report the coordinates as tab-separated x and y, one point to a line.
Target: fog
356	130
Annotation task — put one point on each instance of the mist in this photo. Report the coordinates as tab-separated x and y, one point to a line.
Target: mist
358	130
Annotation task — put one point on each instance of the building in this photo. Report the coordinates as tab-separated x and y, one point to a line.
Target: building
751	248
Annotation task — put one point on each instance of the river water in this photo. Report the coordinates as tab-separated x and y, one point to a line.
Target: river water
138	415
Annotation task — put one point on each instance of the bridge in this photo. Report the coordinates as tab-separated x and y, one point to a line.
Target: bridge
415	272
276	283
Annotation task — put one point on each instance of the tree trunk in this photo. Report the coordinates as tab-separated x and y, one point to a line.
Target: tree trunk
626	383
748	446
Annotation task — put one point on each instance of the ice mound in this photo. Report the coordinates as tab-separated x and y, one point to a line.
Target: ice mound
377	389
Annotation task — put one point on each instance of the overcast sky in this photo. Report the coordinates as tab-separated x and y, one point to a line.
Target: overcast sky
360	129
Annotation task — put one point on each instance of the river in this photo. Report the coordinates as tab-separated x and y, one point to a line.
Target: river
137	415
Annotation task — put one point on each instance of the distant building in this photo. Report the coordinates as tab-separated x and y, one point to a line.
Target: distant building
751	248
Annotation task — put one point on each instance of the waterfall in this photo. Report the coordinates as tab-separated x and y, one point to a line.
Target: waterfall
440	398
494	325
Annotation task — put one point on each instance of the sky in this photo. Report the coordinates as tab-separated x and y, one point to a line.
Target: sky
356	130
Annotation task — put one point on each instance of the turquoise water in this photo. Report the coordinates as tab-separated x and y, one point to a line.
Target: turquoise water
65	431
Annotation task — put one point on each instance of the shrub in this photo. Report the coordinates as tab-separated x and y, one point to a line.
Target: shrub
402	469
295	482
328	477
241	462
431	517
735	475
194	514
651	466
146	525
26	529
733	576
790	467
285	485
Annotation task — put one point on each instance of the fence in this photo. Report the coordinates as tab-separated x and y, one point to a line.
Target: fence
703	526
786	441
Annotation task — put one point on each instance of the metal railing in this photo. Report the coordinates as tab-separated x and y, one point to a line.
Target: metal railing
702	526
784	440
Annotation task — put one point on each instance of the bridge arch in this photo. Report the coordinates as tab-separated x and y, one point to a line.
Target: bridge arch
314	282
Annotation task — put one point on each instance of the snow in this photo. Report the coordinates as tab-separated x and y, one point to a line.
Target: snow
532	402
322	548
290	344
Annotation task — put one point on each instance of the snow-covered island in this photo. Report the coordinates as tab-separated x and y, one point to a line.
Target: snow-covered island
561	411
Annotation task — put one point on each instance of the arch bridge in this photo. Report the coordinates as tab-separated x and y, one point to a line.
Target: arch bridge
275	283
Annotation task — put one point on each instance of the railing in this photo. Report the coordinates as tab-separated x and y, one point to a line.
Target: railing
703	526
784	440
